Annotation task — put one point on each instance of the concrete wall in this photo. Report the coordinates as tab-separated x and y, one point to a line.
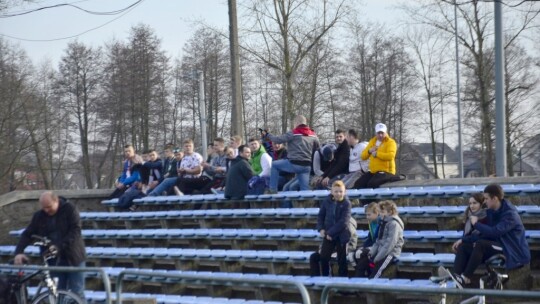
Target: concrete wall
17	207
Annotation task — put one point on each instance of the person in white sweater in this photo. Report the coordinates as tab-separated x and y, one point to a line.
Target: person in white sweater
357	166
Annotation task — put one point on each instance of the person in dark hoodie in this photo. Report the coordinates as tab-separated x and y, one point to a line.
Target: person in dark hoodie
388	245
301	142
238	175
59	221
333	225
503	233
340	163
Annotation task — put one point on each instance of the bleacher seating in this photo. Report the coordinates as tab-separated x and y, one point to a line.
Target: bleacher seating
184	241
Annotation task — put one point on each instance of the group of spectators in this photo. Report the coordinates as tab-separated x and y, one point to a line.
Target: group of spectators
492	226
293	161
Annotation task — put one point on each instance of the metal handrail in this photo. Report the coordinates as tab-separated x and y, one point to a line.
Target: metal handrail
199	279
426	290
100	271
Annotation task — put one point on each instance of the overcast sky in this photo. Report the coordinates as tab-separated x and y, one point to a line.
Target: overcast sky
172	21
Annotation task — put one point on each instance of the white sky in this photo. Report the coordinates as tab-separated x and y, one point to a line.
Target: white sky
171	20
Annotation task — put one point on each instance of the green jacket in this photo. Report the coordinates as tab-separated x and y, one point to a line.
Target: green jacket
255	160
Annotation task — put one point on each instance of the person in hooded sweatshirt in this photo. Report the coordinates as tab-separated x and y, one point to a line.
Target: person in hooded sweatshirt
503	232
333	225
465	245
238	175
301	142
388	245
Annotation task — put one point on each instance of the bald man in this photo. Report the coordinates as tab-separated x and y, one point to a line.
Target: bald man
59	221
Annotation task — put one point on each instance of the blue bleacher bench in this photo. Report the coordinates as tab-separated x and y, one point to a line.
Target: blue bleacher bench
357	212
533	236
379	193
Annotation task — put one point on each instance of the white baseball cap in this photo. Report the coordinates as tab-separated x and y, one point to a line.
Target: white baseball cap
380	127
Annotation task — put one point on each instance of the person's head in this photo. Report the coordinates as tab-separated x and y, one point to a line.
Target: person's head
381	131
229	153
372	211
352	137
49	202
188	147
178	154
219	145
244	152
277	146
168	151
339	136
146	155
493	195
476	202
153	155
210	149
388	208
328	152
236	141
129	151
254	145
300	120
338	190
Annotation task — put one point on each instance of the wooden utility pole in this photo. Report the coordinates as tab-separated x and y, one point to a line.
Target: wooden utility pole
237	123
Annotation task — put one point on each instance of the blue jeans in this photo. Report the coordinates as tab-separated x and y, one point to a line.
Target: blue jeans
165	185
284	165
292	185
73	281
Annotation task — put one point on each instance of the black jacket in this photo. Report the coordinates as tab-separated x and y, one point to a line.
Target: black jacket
334	218
238	175
340	164
68	229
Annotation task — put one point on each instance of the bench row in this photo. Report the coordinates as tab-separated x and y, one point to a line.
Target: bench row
294	257
358	212
533	236
379	193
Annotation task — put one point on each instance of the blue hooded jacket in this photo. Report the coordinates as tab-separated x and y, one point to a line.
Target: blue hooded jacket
334	218
506	226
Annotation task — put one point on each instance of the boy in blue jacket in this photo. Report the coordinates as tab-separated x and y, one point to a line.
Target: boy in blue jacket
372	211
333	226
504	226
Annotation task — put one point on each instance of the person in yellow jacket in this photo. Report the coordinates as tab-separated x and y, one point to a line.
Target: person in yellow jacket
381	152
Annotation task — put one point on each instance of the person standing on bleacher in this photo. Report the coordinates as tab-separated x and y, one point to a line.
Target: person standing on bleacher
505	226
301	142
333	225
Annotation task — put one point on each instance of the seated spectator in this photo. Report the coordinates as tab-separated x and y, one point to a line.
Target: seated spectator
321	160
239	174
333	225
381	152
357	166
171	177
464	246
190	170
372	212
168	156
387	246
280	152
125	180
339	166
125	201
151	171
216	169
211	153
503	232
235	142
261	164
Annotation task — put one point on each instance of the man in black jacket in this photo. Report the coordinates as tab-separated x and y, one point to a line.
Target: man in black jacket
59	221
239	174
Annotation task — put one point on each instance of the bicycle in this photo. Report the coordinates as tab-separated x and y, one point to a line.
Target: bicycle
46	292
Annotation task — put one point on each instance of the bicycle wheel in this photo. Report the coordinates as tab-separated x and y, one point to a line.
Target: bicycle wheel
63	297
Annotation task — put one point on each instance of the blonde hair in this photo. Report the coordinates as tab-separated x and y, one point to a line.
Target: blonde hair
373	208
188	141
237	139
389	206
338	183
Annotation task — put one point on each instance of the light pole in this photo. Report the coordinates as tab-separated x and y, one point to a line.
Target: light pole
202	111
520	163
460	139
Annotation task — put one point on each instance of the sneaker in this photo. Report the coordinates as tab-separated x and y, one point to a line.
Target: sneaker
133	208
458	279
214	191
177	191
270	191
